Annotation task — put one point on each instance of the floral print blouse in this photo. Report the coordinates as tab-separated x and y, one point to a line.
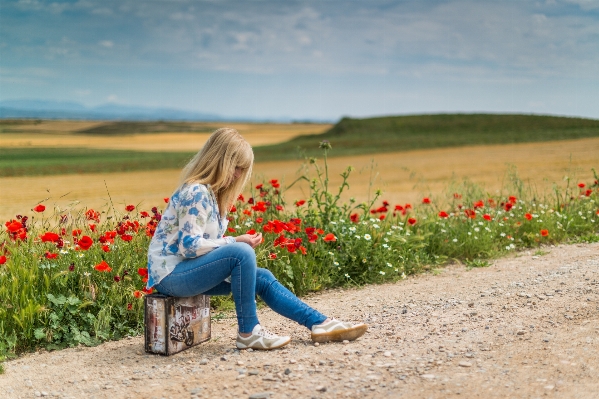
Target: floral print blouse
190	226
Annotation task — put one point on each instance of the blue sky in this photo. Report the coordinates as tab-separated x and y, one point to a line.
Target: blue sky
306	59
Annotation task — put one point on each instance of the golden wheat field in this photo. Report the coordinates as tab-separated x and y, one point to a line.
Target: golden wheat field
68	134
404	177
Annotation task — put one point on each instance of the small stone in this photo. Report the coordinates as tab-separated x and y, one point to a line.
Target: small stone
105	387
346	353
249	350
321	388
253	372
287	371
37	393
240	363
316	344
44	393
260	395
224	358
345	342
196	391
471	304
387	354
427	376
464	364
204	361
521	332
292	361
549	387
240	376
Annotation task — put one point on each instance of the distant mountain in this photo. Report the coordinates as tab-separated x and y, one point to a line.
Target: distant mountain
71	110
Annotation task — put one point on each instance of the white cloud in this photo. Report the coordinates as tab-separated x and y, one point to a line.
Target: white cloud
106	43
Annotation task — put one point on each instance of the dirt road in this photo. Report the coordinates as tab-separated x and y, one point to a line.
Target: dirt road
525	327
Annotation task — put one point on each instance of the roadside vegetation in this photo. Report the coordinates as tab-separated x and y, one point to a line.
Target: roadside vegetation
71	276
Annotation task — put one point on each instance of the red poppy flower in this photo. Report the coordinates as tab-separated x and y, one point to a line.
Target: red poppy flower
103	267
544	232
329	237
279	207
117	278
72	267
240	198
588	193
471	213
398	208
581	185
147	291
512	199
457	196
407	206
275	183
50	237
129	306
251	232
260	206
426	200
39	208
300	202
487	217
137	294
76	232
259	220
130	208
382	217
92	227
126	237
230	229
259	186
528	216
412	221
13	226
247	212
143	271
105	248
90	214
355	218
166	200
478	204
2	260
85	242
50	255
508	206
443	214
144	214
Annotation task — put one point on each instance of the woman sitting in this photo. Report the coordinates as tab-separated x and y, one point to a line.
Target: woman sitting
189	254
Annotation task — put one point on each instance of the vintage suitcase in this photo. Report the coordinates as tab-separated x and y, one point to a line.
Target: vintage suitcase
175	324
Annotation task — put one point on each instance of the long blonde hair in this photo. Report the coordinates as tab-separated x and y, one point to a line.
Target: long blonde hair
215	164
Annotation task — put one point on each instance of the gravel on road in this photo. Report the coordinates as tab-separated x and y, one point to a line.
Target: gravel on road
527	326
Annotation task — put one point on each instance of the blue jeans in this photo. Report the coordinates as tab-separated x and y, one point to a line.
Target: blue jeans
206	275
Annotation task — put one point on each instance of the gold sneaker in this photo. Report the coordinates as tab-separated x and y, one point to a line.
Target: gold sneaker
261	339
337	330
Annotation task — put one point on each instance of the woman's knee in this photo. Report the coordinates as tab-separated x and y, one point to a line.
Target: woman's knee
243	252
264	278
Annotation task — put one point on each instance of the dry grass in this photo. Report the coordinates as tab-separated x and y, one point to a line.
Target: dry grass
63	134
404	177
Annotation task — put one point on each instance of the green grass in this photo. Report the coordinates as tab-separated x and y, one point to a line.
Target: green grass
123	128
349	136
403	133
53	161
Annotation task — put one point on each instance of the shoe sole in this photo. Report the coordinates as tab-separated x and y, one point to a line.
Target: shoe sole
265	349
341	335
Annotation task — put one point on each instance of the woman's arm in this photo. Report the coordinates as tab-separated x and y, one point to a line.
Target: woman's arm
196	213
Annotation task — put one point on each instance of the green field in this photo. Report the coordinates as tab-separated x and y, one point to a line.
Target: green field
55	161
348	137
402	133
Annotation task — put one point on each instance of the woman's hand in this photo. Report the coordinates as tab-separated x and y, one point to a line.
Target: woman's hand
253	240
